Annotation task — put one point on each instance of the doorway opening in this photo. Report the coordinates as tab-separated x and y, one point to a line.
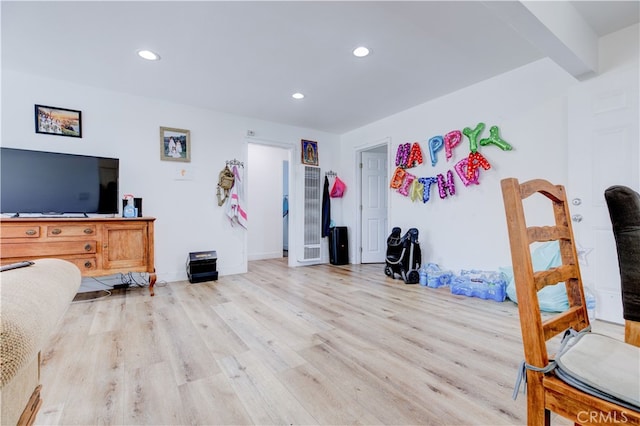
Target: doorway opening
269	198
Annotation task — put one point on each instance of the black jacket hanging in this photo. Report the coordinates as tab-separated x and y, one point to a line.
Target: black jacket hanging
326	209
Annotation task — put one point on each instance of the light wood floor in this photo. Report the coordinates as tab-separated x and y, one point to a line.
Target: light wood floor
322	345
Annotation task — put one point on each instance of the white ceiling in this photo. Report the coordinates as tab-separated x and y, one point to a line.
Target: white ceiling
247	58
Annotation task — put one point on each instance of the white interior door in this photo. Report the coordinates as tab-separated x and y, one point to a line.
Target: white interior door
374	206
603	151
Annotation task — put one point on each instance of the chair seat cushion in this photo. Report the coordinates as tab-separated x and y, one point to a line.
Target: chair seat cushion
603	366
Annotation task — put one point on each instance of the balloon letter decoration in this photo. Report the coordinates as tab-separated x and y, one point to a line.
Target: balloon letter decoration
451	140
461	170
494	138
468	168
404	188
427	181
416	190
398	177
473	136
435	144
443	185
476	160
402	154
415	156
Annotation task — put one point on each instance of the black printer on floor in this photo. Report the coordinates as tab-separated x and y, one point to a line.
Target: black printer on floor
201	266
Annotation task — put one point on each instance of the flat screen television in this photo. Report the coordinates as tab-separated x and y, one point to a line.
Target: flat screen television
50	183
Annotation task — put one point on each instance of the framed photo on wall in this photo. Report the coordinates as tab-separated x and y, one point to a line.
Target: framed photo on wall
175	144
58	121
309	152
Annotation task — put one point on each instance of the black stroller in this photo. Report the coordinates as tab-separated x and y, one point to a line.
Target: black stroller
403	255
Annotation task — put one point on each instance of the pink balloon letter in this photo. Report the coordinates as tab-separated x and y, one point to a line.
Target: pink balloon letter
451	140
461	170
404	189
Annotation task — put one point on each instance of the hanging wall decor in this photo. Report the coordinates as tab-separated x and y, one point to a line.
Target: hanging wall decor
309	152
175	144
58	121
467	169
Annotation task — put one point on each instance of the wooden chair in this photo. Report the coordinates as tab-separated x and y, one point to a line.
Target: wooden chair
546	392
624	209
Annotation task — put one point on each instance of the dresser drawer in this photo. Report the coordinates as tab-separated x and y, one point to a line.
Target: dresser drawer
64	230
19	231
48	249
85	264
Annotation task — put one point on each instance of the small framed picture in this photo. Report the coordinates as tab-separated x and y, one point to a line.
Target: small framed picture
175	144
309	152
58	121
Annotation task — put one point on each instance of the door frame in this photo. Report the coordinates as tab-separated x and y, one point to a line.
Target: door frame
386	142
290	148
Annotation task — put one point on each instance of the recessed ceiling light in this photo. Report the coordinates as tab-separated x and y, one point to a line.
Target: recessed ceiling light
297	95
360	52
148	55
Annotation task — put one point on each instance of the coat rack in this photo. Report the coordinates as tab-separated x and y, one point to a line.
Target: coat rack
234	162
331	173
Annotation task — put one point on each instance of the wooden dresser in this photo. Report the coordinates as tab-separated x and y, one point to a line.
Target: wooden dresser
98	246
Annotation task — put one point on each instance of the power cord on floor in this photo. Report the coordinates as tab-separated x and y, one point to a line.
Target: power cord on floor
140	282
130	280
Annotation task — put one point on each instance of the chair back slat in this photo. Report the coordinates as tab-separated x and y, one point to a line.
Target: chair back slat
556	275
542	186
547	233
559	323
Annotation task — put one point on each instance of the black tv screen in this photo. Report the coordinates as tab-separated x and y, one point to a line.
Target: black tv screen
55	183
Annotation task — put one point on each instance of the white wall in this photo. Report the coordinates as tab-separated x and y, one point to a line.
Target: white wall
620	49
468	230
127	127
265	192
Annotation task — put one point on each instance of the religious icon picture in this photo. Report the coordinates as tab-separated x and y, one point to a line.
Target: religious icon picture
309	152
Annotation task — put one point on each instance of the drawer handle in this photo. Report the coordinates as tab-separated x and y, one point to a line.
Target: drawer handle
56	231
87	247
87	264
31	232
88	231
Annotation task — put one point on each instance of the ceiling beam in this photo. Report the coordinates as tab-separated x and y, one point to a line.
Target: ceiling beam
557	29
